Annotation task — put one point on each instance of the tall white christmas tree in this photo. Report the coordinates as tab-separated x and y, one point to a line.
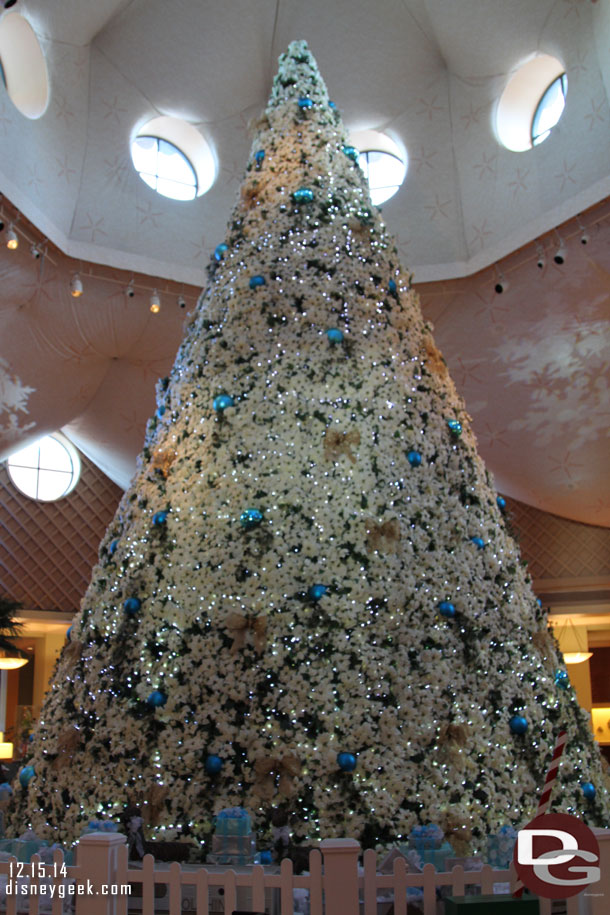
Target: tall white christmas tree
308	602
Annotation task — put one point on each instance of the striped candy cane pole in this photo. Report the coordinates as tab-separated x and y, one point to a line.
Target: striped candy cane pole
549	783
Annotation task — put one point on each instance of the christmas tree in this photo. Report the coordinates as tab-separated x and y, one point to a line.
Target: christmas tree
308	602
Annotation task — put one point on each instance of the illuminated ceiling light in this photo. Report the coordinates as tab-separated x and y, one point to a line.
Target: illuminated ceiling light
76	286
11	661
6	747
12	241
577	657
155	303
573	645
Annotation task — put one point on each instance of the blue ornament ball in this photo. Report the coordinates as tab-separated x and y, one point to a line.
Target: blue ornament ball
446	609
518	724
112	548
250	518
562	679
259	156
414	458
334	335
265	857
392	287
351	152
332	106
316	592
69	633
221	402
220	251
588	789
160	411
501	503
346	762
305	102
455	426
213	765
478	542
26	775
132	605
256	281
159	518
303	195
157	699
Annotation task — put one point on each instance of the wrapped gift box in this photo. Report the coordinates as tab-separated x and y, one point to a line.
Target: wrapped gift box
435	856
234	821
234	845
500	848
491	905
422	838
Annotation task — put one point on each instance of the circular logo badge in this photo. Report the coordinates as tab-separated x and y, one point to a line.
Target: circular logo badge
556	856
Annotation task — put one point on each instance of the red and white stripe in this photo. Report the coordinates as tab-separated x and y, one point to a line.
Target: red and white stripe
551	777
549	783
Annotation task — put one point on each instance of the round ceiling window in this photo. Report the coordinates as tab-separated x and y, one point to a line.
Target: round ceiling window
173	158
532	103
549	110
47	470
164	168
383	162
23	67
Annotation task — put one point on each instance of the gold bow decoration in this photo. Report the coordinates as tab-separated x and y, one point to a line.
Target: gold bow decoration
154	804
266	770
434	358
337	443
239	626
251	193
162	461
457	734
457	832
67	743
73	650
383	537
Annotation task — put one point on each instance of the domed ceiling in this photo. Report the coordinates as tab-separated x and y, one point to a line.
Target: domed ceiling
426	72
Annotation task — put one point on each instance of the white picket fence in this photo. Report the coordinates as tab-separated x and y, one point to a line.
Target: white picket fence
335	885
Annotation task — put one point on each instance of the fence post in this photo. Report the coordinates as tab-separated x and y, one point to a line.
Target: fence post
599	893
96	860
340	876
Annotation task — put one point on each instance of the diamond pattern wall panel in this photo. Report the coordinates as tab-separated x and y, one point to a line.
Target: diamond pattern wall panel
556	548
47	549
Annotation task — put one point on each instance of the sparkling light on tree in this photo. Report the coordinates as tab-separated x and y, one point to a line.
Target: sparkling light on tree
308	599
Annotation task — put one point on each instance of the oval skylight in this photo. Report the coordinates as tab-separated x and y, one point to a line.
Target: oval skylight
173	158
47	470
383	162
23	67
534	93
549	110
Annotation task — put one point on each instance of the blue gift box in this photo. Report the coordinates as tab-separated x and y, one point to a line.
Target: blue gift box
234	821
500	848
